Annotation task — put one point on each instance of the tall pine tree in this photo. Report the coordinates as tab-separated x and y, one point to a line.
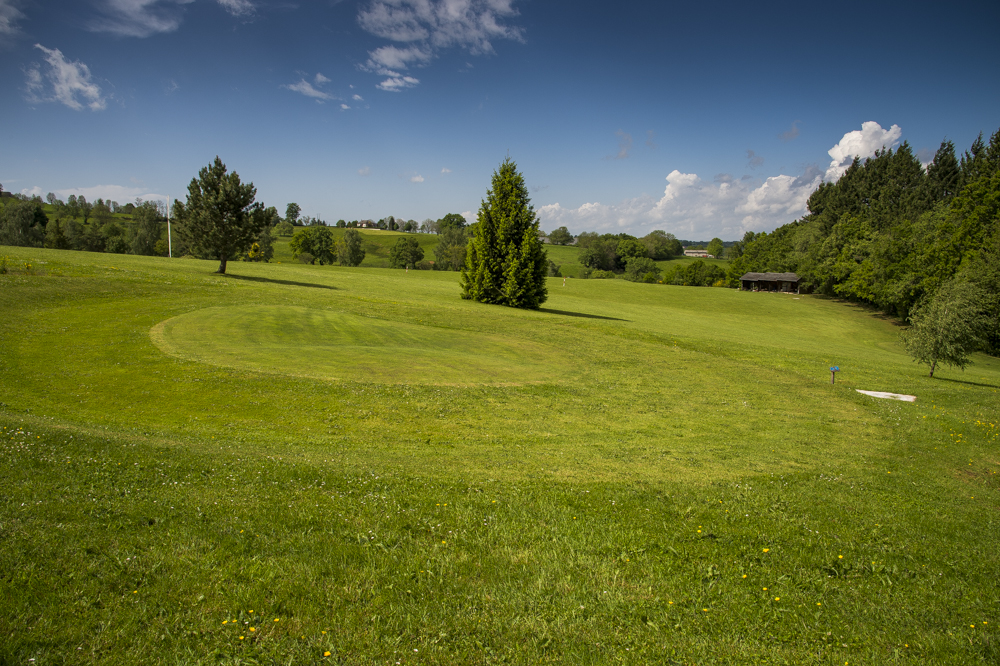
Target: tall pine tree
505	263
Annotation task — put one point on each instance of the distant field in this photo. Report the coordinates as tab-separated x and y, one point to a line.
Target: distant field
318	464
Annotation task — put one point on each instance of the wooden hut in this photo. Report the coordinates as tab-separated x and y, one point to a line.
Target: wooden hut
785	282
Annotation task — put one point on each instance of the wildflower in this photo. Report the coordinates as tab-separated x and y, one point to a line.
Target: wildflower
327	653
275	619
252	629
840	557
766	549
242	637
777	598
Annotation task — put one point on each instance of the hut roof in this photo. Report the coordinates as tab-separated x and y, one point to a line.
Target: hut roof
770	277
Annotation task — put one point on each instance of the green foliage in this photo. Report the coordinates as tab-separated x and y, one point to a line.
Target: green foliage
316	241
715	248
949	326
22	223
55	238
292	212
219	218
553	269
661	245
641	269
148	228
506	263
696	274
561	236
350	251
449	253
630	248
451	221
285	228
406	252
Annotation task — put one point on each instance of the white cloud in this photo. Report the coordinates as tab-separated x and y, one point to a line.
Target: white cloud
320	79
792	132
9	16
860	143
142	18
445	170
357	98
397	83
66	82
431	25
417	179
307	89
118	193
693	208
364	171
239	8
344	107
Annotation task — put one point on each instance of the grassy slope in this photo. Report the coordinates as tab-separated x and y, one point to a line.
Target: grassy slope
688	453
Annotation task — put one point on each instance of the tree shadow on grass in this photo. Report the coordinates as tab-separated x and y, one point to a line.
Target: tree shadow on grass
566	313
290	283
962	381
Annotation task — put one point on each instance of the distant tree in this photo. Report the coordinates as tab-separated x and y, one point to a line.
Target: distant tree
148	228
21	223
220	218
661	245
715	248
641	269
85	207
948	327
429	226
506	263
406	252
561	236
316	241
55	238
449	221
51	198
597	252
292	212
284	228
629	248
350	250
263	249
341	224
73	204
553	269
449	253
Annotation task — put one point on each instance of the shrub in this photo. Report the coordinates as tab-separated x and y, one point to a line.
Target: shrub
306	258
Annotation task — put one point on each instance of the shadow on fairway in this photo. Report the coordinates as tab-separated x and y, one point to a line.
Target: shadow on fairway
290	283
962	381
578	314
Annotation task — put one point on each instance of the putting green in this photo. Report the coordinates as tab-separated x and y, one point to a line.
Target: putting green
332	345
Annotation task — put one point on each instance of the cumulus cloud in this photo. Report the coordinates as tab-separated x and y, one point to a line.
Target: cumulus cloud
427	26
142	18
64	82
860	143
691	207
9	17
417	179
357	98
305	88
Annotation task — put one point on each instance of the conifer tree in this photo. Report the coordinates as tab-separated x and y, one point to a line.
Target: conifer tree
505	263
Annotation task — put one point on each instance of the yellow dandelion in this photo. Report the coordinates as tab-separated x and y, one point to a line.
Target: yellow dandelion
767	549
252	629
818	603
840	557
744	575
327	653
275	619
242	637
777	598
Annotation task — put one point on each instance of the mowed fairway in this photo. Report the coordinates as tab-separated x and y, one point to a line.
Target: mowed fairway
304	464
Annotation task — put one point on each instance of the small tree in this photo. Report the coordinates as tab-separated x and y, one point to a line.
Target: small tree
561	236
506	263
148	228
715	248
350	251
405	253
220	218
292	211
948	327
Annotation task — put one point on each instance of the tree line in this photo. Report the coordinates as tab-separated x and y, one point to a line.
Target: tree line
905	239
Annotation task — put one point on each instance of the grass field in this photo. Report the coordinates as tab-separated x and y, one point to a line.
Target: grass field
305	464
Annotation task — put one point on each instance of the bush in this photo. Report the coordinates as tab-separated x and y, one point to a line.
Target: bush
425	265
116	245
601	275
553	269
306	258
641	269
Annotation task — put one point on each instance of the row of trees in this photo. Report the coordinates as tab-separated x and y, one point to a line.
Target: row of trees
317	244
900	237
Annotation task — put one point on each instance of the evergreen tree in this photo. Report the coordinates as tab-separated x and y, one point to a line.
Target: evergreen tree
943	174
220	218
505	263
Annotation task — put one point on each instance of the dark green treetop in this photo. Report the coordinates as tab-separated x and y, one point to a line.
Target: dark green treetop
506	263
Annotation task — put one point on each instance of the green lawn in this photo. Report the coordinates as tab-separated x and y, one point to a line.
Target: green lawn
296	460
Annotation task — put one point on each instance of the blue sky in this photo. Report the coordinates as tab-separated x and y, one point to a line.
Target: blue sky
702	119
